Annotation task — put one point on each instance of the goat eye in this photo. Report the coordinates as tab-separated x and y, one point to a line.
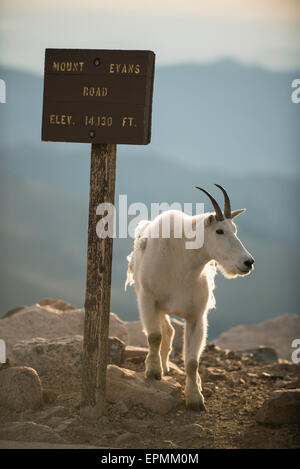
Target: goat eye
219	231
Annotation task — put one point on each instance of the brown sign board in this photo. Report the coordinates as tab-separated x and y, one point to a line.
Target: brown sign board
98	96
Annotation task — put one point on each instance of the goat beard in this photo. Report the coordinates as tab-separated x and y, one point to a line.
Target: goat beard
228	273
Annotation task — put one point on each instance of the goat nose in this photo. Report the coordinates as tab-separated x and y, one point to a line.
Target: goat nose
248	263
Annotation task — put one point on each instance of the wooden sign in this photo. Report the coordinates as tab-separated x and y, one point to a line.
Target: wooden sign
102	97
98	96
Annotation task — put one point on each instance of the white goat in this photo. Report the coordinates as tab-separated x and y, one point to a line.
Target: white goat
172	280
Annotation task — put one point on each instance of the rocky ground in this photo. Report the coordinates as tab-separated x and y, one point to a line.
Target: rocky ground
253	399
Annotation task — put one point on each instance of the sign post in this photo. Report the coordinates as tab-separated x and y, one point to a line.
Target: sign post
102	97
98	280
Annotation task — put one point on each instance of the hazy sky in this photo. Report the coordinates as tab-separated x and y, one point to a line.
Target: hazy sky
265	32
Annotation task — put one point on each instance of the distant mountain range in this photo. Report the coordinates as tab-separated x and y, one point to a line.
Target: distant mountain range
222	122
218	116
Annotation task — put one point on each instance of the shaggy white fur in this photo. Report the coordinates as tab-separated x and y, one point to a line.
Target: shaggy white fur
173	280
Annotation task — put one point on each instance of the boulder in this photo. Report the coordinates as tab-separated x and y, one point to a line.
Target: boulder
37	321
136	336
265	354
64	352
277	333
117	328
190	431
50	412
283	406
60	305
29	431
20	388
49	319
49	396
116	351
13	311
133	389
49	354
136	354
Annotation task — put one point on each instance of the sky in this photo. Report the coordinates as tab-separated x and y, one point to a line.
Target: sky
261	32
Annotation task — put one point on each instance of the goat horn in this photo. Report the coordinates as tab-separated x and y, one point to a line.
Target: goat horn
219	214
227	205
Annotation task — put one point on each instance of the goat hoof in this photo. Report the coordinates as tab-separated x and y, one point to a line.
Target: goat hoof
153	374
197	406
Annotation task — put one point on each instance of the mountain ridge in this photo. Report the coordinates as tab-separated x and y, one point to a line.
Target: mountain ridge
45	186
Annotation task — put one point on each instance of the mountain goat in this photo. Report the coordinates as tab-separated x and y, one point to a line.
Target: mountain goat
173	280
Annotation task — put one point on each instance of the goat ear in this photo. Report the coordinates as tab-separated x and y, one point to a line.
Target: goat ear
237	212
210	219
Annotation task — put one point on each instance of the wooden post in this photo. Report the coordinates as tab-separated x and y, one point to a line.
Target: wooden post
98	285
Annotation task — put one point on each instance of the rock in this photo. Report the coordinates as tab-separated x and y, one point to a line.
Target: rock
283	406
121	408
64	424
124	438
295	384
57	411
49	396
139	354
116	351
214	374
49	354
188	432
252	378
29	431
290	368
132	388
135	354
270	376
109	433
5	365
276	333
266	354
20	388
231	355
117	328
136	425
136	336
60	305
49	319
13	311
206	391
64	352
191	430
37	321
174	368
